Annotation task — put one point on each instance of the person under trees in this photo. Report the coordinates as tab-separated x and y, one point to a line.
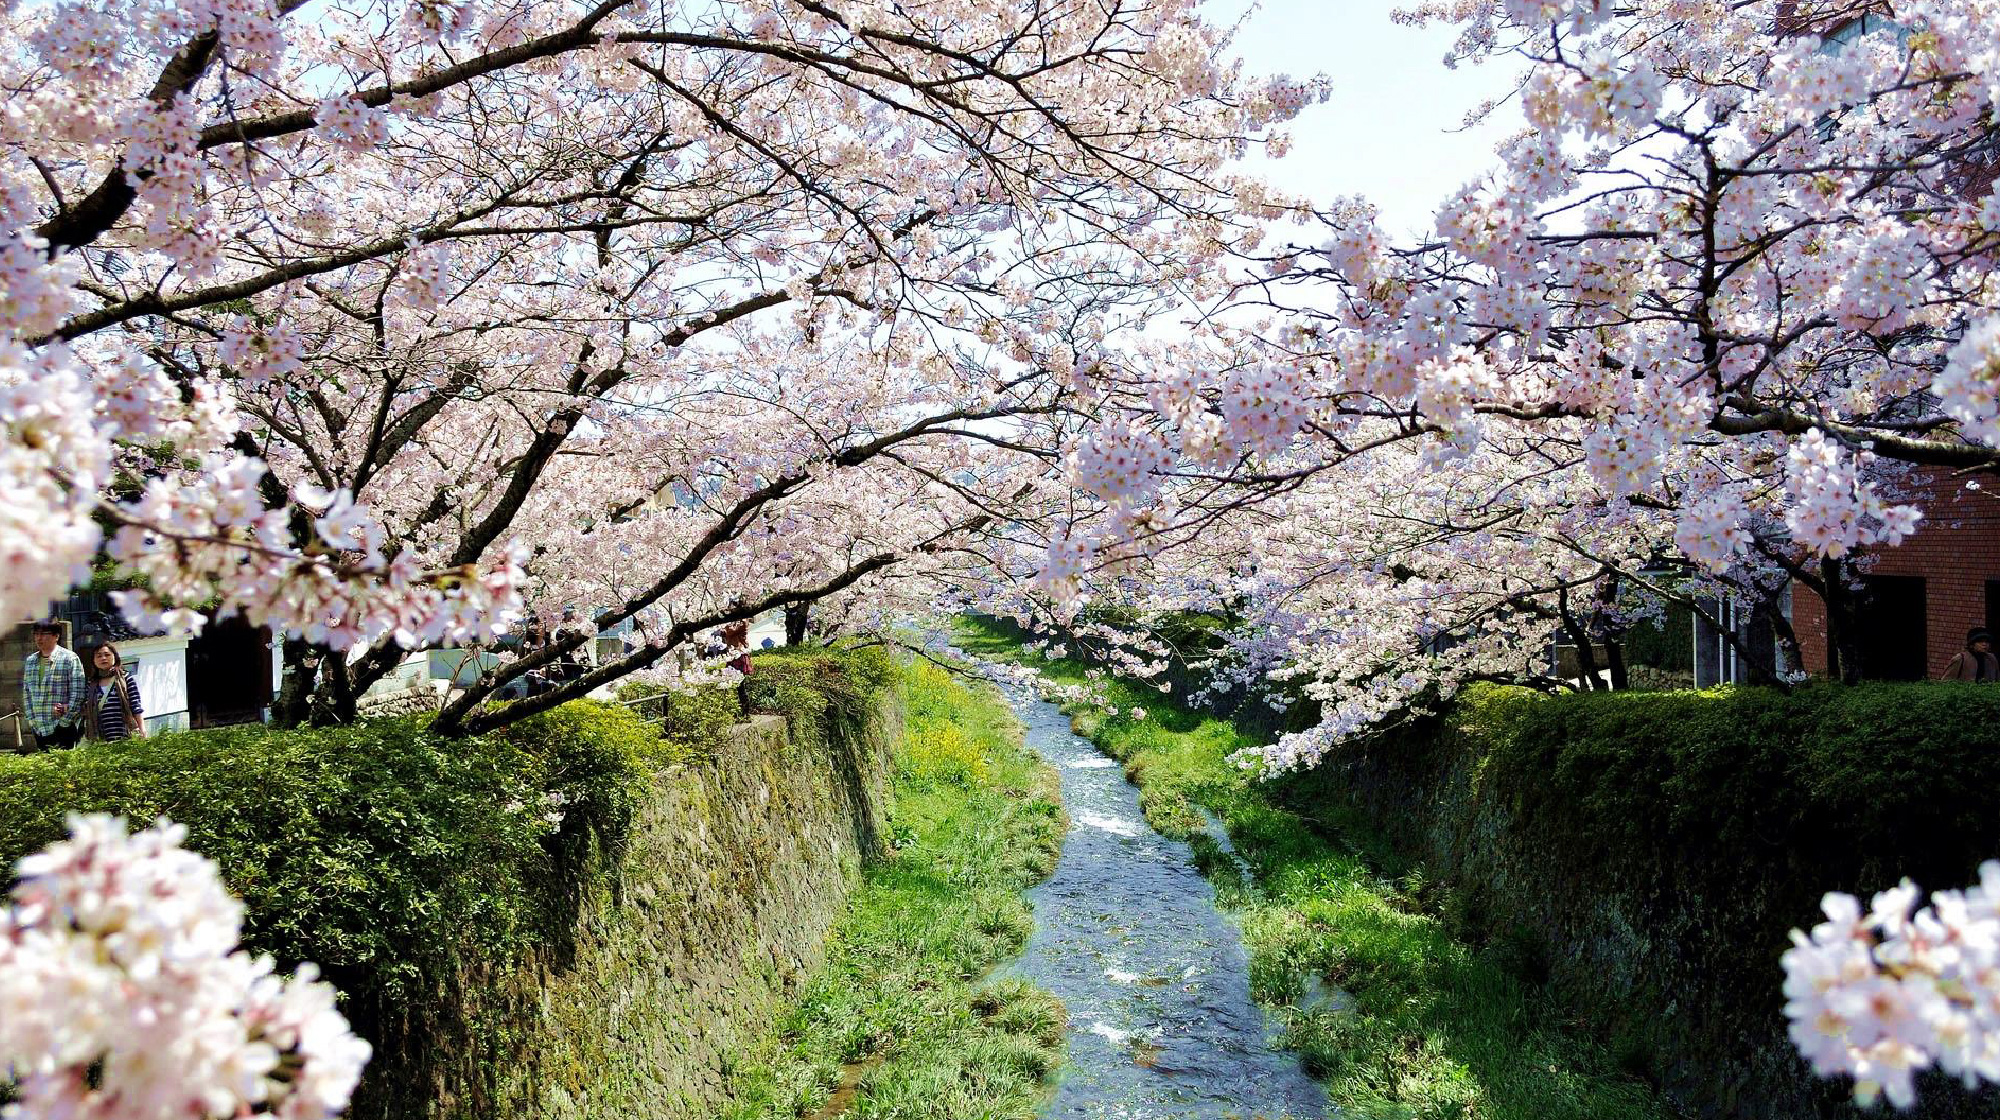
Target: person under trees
113	708
1976	662
389	317
52	688
735	641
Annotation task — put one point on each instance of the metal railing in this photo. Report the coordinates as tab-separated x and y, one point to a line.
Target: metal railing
656	714
20	742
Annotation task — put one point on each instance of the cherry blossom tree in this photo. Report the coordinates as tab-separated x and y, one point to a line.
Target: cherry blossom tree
1743	273
375	322
1882	995
123	992
1724	300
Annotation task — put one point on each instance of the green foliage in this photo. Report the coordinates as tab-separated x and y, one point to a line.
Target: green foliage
1662	643
816	688
1848	787
107	574
1398	1016
898	1023
687	721
596	760
379	851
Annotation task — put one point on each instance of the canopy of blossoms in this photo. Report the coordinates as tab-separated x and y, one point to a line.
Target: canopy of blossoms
387	324
384	324
1723	310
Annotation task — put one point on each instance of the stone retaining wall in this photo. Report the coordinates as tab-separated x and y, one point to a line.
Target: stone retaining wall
1645	855
421	697
735	871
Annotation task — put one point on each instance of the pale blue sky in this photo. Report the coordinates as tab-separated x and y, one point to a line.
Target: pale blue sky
1384	132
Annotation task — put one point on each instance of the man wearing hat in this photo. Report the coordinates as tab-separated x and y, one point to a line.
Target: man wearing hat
1977	662
52	689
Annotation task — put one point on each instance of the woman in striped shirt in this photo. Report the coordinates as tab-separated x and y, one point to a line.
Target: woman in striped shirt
111	709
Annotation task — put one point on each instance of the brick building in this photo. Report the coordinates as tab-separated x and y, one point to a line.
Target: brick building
1919	599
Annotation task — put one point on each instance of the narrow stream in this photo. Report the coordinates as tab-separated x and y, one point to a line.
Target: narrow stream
1155	978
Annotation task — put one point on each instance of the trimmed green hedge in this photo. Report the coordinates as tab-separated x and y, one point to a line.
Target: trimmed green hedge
393	858
412	868
1868	782
1650	851
376	848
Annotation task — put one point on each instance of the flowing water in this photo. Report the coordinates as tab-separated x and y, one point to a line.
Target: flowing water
1155	978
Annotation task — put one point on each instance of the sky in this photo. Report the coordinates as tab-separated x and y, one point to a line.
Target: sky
1388	131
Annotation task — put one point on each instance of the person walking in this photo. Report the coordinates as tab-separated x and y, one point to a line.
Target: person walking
1976	662
736	640
52	689
111	706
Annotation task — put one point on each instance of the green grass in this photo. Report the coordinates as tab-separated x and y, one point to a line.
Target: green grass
899	1021
1438	1028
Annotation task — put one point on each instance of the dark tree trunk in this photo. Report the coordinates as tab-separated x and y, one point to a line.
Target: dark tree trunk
293	705
1586	658
1785	638
321	687
1761	644
1614	654
796	617
335	702
1843	652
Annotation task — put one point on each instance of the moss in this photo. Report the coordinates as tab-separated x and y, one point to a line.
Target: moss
1399	1016
899	1022
488	954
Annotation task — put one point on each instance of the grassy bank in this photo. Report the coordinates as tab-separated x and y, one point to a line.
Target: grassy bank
1428	1026
898	1022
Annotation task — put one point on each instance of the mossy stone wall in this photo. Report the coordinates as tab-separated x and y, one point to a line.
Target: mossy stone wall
1647	853
732	873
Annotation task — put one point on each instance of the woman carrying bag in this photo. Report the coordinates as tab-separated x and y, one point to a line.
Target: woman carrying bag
111	709
1977	661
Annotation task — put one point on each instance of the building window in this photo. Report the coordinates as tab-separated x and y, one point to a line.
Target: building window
1890	631
1838	39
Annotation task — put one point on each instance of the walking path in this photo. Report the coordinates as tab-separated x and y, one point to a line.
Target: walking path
1155	978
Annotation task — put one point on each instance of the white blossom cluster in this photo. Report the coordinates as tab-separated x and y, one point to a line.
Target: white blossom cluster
1970	382
1833	511
1882	995
123	995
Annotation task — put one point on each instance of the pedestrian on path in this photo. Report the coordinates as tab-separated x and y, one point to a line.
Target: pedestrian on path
736	639
111	708
1976	662
52	689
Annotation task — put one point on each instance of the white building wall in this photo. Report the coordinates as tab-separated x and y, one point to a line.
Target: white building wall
160	666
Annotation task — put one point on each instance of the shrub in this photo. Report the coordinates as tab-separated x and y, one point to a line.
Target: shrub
687	721
378	851
1867	783
1654	848
405	864
811	686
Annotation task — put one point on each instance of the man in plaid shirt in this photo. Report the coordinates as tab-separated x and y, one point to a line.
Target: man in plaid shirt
52	688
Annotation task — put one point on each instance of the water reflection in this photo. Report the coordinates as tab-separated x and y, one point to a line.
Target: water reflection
1156	980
